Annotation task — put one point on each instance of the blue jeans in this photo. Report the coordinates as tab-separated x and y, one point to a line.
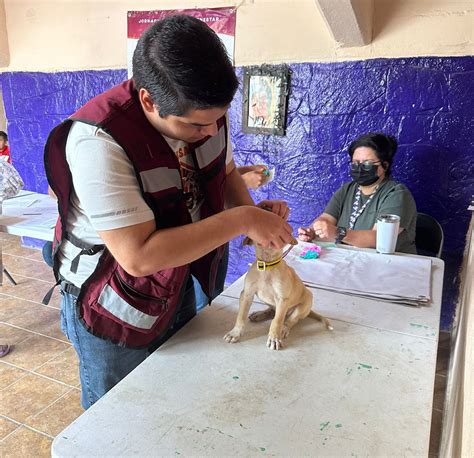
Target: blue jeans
48	253
201	298
102	364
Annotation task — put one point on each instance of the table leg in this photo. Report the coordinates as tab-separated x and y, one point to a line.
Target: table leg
3	270
12	280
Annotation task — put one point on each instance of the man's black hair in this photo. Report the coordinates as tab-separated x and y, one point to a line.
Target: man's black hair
385	147
4	135
183	65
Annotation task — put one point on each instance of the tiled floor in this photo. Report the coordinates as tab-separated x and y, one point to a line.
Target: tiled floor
39	394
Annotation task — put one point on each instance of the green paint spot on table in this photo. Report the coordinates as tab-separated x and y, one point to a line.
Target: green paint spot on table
235	377
324	425
416	325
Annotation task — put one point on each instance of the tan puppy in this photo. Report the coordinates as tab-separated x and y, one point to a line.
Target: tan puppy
276	284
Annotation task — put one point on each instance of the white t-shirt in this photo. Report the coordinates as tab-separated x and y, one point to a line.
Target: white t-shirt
106	194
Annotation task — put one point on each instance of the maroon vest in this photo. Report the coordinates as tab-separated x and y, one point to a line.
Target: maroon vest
134	311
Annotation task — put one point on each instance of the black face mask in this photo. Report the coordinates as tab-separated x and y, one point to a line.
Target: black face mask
365	177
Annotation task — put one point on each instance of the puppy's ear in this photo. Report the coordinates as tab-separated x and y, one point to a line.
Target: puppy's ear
247	241
294	242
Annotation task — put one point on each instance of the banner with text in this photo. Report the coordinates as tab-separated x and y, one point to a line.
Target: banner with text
221	20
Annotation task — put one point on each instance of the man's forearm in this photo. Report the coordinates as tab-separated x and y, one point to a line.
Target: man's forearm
143	250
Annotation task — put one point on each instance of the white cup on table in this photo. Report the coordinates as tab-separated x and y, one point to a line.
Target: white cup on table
387	233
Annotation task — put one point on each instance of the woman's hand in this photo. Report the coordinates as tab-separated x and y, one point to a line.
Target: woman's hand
254	176
279	207
325	230
306	234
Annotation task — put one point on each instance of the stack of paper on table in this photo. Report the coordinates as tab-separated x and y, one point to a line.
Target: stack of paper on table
393	278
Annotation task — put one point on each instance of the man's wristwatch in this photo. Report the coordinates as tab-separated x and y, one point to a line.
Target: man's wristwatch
341	233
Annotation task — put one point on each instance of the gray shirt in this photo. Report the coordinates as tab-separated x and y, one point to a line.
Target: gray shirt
391	197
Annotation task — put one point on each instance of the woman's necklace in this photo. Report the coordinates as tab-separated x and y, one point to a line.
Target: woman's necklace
356	209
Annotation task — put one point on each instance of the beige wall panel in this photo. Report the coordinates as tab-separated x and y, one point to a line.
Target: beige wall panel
4	49
275	32
423	27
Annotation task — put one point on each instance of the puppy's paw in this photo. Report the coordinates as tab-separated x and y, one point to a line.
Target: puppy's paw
262	315
328	325
274	343
233	336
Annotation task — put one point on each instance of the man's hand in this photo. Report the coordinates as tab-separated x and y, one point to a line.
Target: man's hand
268	228
306	234
279	207
325	230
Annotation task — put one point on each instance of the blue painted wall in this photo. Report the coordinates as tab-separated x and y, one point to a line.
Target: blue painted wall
425	102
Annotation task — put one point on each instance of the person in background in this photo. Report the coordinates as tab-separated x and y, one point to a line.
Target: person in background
148	194
4	149
351	215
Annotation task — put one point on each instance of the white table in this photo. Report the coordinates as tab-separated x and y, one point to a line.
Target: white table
364	389
28	214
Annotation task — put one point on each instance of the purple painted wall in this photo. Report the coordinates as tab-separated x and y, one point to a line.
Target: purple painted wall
425	102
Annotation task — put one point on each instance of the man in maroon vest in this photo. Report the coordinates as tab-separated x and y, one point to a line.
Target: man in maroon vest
148	194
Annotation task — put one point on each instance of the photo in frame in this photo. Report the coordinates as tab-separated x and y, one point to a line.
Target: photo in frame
265	99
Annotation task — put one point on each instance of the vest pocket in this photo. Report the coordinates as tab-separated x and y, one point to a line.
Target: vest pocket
131	307
133	293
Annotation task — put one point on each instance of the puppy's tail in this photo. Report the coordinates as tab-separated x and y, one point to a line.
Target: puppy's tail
317	316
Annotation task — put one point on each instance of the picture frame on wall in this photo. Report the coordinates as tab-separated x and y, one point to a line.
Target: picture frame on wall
265	99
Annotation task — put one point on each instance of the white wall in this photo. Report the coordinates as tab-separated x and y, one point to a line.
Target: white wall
49	35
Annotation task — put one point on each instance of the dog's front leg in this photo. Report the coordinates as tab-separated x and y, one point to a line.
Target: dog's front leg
246	300
275	336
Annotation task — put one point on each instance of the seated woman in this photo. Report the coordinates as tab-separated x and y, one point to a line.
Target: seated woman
351	215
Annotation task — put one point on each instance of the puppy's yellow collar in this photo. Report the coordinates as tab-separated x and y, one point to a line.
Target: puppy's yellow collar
262	265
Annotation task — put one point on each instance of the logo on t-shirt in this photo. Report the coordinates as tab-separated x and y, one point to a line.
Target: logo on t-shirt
190	178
